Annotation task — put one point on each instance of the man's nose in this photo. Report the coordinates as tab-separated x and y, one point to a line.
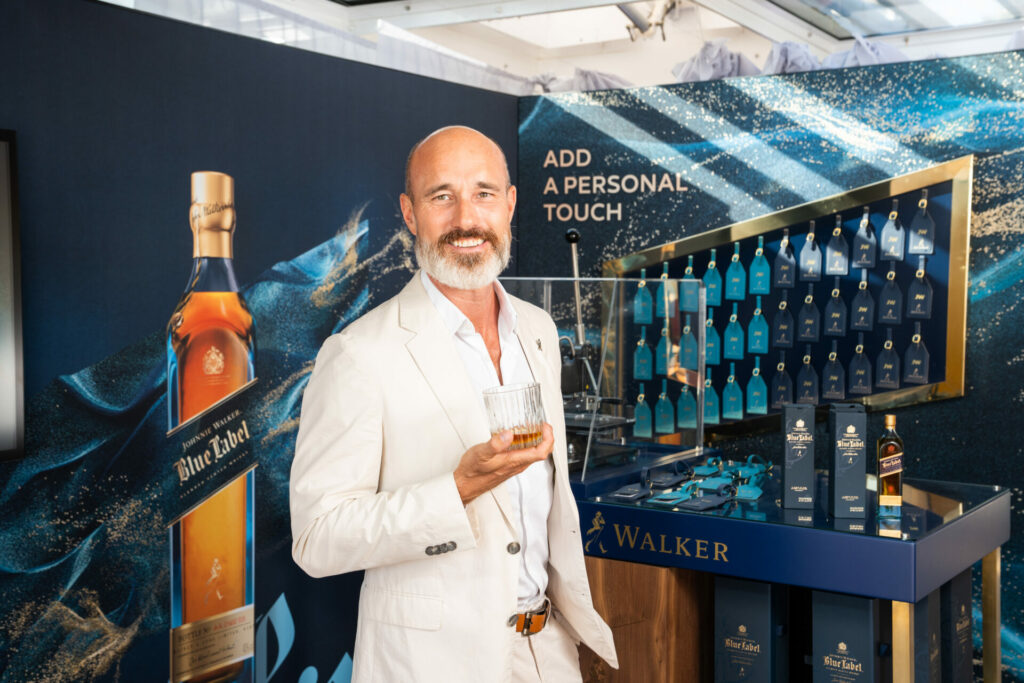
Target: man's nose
466	214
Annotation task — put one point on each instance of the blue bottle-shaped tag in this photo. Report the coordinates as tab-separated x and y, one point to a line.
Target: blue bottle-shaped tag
758	331
919	293
810	257
922	229
732	397
735	277
760	272
916	360
687	409
859	376
782	384
688	298
643	363
893	237
665	297
888	365
732	348
642	416
784	270
757	391
711	409
808	326
643	308
712	283
807	381
712	342
837	253
688	346
862	308
835	313
664	412
663	353
782	325
833	377
890	300
865	243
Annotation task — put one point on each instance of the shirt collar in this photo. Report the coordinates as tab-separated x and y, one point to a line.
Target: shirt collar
457	322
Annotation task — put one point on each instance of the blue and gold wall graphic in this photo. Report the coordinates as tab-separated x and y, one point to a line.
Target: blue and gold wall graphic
632	169
113	109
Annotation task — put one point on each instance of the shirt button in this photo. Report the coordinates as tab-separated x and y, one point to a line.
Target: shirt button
513	548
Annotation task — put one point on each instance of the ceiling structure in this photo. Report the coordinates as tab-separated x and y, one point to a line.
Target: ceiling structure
640	42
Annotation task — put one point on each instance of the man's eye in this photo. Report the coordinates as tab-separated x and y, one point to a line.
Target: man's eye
444	196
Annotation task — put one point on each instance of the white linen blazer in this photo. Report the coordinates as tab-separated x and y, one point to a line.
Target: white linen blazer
387	414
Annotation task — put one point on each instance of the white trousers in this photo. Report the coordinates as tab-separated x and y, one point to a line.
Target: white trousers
550	656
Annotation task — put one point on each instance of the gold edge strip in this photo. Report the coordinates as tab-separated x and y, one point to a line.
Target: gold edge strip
902	642
959	279
198	416
220	488
991	617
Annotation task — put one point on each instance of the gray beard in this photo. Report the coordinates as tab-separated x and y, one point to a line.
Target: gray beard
465	272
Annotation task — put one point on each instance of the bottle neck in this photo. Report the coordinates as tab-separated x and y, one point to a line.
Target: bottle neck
210	274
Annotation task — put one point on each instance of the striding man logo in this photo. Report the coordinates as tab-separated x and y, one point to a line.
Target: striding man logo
594	533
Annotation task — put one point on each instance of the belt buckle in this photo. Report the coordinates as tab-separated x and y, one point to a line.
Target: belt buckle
528	617
527	620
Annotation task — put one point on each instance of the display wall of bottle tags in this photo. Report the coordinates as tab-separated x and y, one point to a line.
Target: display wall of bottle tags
851	304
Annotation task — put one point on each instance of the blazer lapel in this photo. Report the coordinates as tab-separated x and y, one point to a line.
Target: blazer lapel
436	357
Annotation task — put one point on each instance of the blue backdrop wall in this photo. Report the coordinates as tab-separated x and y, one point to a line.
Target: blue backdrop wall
113	110
748	146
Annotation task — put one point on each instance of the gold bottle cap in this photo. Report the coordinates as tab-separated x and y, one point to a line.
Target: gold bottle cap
890	422
212	214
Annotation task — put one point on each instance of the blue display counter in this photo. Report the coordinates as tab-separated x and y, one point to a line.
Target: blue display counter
945	528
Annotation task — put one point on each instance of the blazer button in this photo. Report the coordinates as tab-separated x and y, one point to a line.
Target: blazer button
513	548
431	550
451	545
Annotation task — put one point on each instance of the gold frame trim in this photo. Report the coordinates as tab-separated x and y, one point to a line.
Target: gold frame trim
960	171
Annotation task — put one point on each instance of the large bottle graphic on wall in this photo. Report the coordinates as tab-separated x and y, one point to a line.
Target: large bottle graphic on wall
210	355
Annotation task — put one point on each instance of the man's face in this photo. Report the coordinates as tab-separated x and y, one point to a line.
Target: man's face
461	208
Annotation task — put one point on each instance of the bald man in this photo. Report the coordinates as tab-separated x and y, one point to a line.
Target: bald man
474	564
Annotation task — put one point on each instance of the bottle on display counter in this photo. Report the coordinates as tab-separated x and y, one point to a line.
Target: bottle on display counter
890	470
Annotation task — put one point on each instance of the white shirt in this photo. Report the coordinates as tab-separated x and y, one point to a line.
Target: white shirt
530	491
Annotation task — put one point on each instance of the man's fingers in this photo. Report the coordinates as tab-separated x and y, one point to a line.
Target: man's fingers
500	441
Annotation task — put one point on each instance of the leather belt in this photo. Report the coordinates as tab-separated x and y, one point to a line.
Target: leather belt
529	623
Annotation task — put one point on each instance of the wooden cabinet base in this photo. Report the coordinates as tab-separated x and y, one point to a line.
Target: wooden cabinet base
662	620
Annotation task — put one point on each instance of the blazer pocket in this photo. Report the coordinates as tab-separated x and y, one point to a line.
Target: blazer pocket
401	609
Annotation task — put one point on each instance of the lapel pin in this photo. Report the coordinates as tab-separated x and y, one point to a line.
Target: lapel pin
539	347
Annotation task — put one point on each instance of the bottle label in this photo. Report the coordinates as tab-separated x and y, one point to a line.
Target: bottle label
208	644
891	464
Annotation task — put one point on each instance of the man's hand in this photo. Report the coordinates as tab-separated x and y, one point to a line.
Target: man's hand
487	464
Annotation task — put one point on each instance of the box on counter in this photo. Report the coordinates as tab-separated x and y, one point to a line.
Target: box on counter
847	429
798	464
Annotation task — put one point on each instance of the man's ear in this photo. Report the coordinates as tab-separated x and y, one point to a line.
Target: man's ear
511	194
407	215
